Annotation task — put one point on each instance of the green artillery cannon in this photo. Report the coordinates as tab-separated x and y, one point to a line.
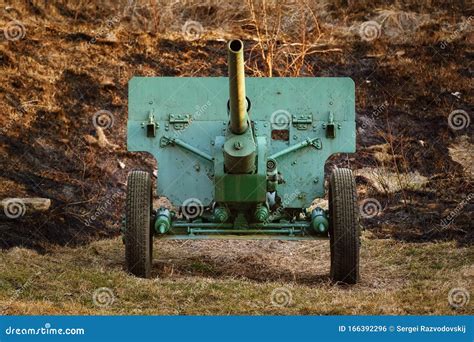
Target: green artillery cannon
242	158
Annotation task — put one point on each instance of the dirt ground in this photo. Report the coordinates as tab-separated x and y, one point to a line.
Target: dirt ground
63	61
256	277
75	59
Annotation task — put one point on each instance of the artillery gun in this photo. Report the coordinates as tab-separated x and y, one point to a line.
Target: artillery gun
242	158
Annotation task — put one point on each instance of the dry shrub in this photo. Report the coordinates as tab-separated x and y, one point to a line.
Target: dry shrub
286	32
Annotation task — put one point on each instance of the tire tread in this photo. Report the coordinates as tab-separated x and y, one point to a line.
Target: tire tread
344	227
138	238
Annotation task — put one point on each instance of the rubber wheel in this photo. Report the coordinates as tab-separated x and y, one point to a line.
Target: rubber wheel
138	233
343	227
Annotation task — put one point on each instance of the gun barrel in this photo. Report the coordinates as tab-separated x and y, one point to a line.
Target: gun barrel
238	102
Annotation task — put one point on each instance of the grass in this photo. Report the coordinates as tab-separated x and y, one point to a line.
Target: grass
236	277
224	277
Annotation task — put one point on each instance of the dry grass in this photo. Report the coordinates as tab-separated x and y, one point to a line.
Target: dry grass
55	79
236	277
387	182
461	152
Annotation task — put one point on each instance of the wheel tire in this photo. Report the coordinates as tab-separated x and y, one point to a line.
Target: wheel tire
138	233
343	227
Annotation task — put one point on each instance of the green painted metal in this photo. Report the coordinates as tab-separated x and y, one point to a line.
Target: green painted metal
239	152
165	140
298	228
251	151
297	224
273	177
230	236
239	188
315	142
319	221
184	174
261	213
280	231
239	147
220	214
181	224
237	101
163	221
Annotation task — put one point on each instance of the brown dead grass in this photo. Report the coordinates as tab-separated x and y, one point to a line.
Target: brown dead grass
54	80
76	58
236	277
